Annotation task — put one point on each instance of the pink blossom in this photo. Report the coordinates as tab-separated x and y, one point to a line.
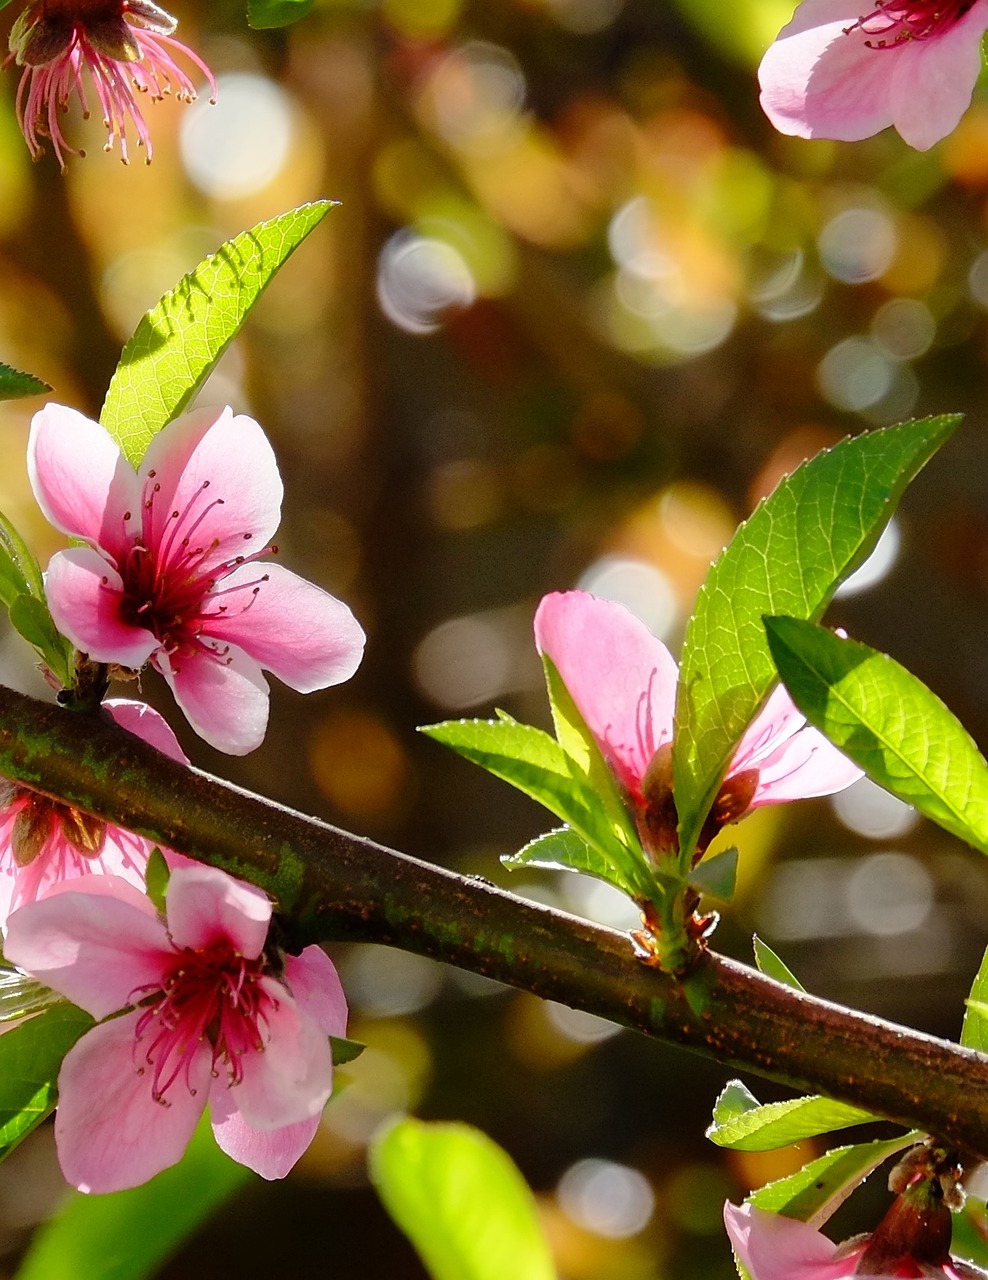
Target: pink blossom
210	1015
771	1247
127	49
170	572
837	71
44	842
623	681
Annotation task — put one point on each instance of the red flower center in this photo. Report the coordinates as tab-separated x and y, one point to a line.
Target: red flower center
170	576
210	995
892	23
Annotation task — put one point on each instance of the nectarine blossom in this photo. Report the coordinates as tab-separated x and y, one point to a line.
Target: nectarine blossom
44	842
846	72
772	1247
170	574
126	49
623	681
207	1013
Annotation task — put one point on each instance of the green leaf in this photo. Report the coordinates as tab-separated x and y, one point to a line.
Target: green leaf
21	996
263	14
345	1050
14	385
20	573
818	525
818	1190
566	850
770	964
742	1123
30	1057
974	1032
586	761
130	1234
535	763
461	1201
156	879
717	876
179	341
888	722
30	617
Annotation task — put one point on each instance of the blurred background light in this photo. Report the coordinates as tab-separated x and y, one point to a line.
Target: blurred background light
419	279
607	1198
475	95
872	812
878	565
639	586
889	893
474	659
240	143
857	245
904	328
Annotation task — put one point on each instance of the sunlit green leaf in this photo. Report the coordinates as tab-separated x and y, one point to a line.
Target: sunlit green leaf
128	1235
566	850
535	763
30	1058
461	1201
742	1123
887	721
717	876
974	1032
815	528
770	964
177	344
21	995
20	573
345	1050
818	1190
29	616
14	385
262	14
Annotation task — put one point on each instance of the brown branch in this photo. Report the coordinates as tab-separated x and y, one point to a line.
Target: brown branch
333	885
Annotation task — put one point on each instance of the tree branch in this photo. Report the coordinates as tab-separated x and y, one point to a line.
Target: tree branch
333	885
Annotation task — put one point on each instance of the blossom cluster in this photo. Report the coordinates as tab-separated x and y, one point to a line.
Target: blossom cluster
196	1004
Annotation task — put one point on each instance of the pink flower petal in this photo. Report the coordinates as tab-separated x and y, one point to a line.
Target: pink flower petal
225	700
291	1078
806	765
95	940
934	79
86	599
777	722
824	78
772	1247
205	906
272	1153
622	679
81	480
109	1131
229	454
292	628
818	82
147	724
313	981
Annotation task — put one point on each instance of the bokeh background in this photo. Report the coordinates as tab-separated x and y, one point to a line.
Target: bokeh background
578	309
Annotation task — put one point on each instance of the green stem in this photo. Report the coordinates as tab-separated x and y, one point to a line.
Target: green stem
332	885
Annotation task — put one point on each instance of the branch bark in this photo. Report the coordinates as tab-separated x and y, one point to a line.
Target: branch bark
333	885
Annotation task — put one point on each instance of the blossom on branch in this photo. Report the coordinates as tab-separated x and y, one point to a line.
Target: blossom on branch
127	49
623	681
170	574
211	1016
771	1247
843	72
44	842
